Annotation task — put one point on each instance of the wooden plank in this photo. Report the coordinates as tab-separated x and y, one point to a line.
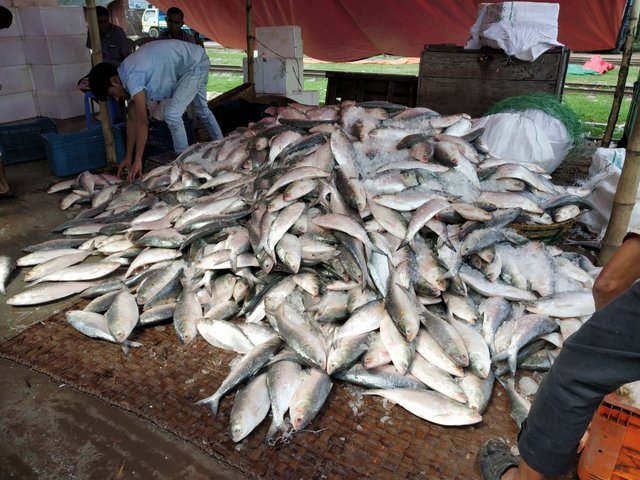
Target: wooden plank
447	96
489	65
368	87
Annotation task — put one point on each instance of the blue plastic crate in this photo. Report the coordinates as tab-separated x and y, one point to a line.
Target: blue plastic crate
71	153
22	142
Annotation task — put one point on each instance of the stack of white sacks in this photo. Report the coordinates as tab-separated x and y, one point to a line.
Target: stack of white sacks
42	57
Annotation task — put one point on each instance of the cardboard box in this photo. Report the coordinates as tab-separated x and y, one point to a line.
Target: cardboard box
60	105
59	78
15	79
12	51
279	75
279	42
57	50
14	30
36	21
18	106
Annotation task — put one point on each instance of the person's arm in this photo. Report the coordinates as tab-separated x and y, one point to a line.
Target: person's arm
620	272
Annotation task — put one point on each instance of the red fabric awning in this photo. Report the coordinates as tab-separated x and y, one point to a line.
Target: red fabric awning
343	30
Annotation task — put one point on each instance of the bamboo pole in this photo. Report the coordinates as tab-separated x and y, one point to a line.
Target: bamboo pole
625	198
627	50
96	58
250	47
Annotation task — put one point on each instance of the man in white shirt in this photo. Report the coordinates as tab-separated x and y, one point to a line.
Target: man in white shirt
170	70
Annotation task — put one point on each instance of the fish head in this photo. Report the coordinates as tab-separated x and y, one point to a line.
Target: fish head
238	433
119	334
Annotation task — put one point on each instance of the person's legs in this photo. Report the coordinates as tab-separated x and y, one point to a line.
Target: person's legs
200	103
600	357
184	93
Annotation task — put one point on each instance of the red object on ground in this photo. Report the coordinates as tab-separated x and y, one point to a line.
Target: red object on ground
598	64
612	451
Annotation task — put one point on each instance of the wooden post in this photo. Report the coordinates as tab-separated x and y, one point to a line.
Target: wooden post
627	50
249	44
96	58
625	198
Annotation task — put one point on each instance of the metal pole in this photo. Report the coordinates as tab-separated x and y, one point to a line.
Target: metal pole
627	50
96	57
249	44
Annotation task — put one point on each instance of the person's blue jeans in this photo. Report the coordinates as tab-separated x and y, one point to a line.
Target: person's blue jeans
191	87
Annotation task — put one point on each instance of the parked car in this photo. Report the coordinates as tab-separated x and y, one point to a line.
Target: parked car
154	21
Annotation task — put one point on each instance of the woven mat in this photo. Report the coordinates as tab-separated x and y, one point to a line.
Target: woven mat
161	381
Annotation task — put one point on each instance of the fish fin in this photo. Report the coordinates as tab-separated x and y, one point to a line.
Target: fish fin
503	355
274	429
212	401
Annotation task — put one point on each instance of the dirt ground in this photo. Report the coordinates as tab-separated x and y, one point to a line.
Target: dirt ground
49	430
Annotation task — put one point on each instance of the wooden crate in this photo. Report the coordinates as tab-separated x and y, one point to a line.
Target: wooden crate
364	87
454	80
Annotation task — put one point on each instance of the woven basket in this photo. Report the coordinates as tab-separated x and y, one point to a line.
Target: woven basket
552	233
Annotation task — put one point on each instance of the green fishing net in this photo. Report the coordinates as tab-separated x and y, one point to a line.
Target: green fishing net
548	104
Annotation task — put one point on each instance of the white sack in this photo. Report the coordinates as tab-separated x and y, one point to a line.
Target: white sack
530	136
522	29
604	174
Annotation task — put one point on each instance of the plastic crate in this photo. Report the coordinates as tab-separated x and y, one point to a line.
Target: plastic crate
159	137
22	141
71	153
613	449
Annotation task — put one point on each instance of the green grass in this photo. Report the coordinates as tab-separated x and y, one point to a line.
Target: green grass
593	110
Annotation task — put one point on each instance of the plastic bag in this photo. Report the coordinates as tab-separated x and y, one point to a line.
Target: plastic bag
604	175
529	136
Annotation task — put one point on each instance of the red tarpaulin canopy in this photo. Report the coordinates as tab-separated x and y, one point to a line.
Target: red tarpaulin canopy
343	30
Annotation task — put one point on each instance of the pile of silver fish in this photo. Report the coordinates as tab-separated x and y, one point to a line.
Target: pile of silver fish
368	243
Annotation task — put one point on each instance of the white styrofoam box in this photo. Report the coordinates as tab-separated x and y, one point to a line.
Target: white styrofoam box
60	105
12	51
14	30
59	78
18	106
15	79
29	3
279	75
305	97
279	42
57	50
52	21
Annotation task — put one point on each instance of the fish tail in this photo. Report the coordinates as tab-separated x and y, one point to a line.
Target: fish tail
503	355
212	401
274	429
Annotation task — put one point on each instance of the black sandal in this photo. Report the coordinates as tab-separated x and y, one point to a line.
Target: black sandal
495	459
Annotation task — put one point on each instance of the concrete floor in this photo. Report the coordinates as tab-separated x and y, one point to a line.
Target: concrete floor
50	430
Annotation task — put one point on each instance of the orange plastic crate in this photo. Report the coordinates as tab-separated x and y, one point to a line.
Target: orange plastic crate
613	449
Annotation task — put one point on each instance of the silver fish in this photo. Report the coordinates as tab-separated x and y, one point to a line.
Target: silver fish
6	269
431	406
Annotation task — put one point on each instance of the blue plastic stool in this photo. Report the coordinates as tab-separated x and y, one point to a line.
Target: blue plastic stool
114	114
